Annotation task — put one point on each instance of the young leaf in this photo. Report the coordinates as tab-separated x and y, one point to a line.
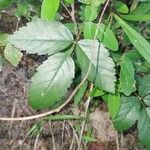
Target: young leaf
3	39
144	89
144	127
90	13
121	7
105	35
127	82
42	37
114	103
137	40
12	54
128	114
96	92
49	9
102	72
48	86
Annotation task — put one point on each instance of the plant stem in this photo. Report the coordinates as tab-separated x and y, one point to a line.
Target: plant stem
63	117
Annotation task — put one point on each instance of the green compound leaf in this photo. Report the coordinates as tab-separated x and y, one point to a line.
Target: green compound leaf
144	127
127	81
144	89
49	9
114	103
12	54
51	81
102	72
42	37
137	40
128	114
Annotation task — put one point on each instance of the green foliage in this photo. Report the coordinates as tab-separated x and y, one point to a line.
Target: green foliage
114	103
102	72
144	126
12	54
133	110
128	114
69	1
137	40
43	91
42	37
79	95
96	92
105	34
3	39
127	81
5	3
121	7
49	9
144	89
116	52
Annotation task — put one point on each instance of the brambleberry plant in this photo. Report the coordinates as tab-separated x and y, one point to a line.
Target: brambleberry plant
108	41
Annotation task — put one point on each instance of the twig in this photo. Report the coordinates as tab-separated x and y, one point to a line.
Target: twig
86	112
62	135
53	138
66	8
100	19
74	133
72	15
37	138
74	19
36	141
51	111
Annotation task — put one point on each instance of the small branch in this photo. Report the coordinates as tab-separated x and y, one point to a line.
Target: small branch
72	15
86	112
51	111
74	19
66	8
101	17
